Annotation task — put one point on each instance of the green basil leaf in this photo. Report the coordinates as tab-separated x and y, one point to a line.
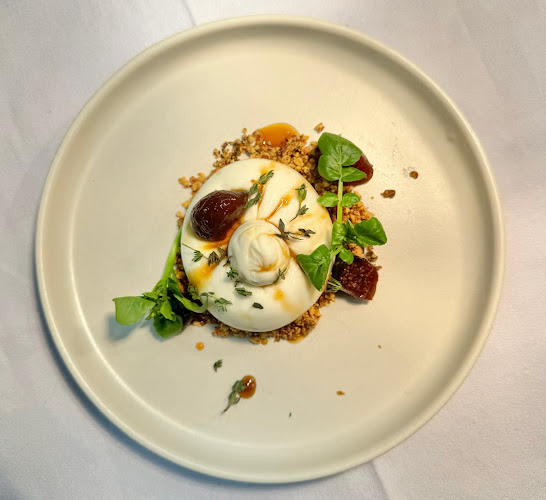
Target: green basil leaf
349	199
328	200
166	310
349	174
339	231
370	232
343	150
192	306
346	256
130	310
329	167
166	328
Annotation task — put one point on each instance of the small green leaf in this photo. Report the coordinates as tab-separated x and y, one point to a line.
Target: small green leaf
265	177
234	397
243	291
352	174
166	310
316	265
370	232
193	291
192	306
253	189
166	328
257	305
253	201
343	150
217	364
130	310
349	199
333	285
328	200
302	192
329	167
346	256
339	232
222	304
321	253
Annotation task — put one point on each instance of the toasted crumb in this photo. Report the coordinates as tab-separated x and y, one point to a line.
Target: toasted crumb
388	193
413	174
379	346
319	127
340	393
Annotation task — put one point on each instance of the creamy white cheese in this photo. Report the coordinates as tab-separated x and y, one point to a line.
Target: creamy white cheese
255	251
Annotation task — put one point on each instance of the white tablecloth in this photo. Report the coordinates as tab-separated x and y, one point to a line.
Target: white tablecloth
488	442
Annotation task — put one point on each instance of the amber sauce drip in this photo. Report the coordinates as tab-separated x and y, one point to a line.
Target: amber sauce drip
283	202
277	133
213	245
250	389
202	274
199	346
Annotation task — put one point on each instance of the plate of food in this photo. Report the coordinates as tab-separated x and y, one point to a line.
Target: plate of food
269	249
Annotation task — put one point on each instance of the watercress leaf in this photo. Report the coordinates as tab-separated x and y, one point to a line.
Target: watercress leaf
192	306
328	200
130	310
339	231
349	174
370	232
321	254
329	167
343	150
349	199
166	310
166	328
316	270
173	287
153	295
346	256
253	189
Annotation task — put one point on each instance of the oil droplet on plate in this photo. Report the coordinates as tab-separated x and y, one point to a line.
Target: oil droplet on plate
199	346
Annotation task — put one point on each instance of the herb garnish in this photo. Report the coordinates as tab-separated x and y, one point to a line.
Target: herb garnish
302	193
234	275
333	285
257	305
217	364
280	275
221	304
287	235
255	189
213	257
337	155
167	306
234	396
243	291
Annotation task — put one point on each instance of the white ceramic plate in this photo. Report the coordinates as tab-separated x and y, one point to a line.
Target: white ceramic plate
108	217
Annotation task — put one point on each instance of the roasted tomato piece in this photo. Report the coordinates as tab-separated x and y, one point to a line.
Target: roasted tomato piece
365	166
215	214
358	279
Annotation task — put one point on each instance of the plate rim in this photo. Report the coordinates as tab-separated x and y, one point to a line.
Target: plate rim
494	205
